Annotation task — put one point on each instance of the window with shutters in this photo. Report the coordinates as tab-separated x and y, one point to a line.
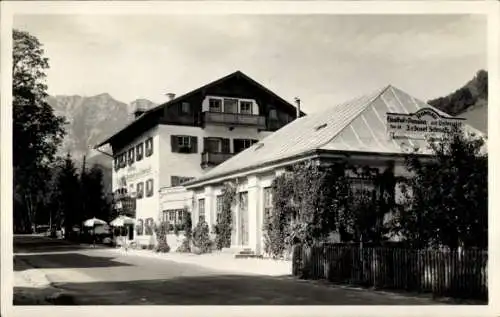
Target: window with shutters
214	105
123	160
139	228
149	147
149	188
179	180
201	209
140	190
131	156
245	107
242	144
139	151
213	145
184	144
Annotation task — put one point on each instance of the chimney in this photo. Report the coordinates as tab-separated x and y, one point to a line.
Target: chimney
170	96
297	102
139	111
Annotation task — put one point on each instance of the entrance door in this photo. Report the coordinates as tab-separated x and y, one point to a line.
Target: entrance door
243	232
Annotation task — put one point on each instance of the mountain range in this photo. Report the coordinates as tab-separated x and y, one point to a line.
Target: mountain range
92	119
89	121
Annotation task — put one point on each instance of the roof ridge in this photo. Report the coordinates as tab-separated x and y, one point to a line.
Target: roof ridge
368	104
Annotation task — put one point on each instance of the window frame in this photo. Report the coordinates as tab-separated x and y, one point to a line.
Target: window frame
215	100
227	100
139	152
201	202
148	151
182	144
131	156
246	103
149	189
140	190
219	206
214	139
186	110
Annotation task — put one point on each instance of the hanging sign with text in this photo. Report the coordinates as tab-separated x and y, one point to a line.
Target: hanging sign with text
422	124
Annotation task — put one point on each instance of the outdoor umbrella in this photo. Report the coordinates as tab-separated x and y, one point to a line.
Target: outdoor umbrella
94	221
121	221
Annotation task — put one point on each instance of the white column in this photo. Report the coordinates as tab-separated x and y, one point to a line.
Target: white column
209	204
253	211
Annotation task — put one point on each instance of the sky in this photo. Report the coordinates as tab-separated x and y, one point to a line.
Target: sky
323	59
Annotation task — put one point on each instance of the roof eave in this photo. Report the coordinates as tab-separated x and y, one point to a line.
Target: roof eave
316	153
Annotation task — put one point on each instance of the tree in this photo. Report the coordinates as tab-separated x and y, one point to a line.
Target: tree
94	199
447	200
37	131
67	195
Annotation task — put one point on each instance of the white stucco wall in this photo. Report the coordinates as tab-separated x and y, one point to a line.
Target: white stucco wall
141	171
255	184
188	164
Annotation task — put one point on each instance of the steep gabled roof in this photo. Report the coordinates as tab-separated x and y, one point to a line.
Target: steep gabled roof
358	125
156	110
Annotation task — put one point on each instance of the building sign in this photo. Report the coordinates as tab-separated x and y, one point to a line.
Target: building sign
138	173
422	124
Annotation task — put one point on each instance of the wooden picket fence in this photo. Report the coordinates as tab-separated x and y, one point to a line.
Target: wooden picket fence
461	274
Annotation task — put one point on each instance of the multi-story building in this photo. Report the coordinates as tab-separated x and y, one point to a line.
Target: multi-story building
187	136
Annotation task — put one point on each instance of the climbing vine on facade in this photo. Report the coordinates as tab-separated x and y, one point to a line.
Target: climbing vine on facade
223	228
306	203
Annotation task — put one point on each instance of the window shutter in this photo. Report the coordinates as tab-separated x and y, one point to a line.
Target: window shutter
194	144
174	142
205	145
174	180
225	146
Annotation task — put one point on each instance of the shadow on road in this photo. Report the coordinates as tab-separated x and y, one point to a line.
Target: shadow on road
225	290
30	244
64	260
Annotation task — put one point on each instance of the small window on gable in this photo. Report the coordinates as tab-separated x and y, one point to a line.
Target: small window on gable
139	151
273	114
185	108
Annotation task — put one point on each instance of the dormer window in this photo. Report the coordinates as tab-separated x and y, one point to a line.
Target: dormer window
246	107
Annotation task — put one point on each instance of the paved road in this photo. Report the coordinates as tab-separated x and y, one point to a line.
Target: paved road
105	277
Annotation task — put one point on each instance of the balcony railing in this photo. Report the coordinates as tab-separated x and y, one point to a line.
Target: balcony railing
234	119
210	159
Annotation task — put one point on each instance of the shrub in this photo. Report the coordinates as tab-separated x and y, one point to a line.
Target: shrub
186	243
201	238
161	231
223	227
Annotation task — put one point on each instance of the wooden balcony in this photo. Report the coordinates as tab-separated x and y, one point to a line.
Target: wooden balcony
234	119
211	159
